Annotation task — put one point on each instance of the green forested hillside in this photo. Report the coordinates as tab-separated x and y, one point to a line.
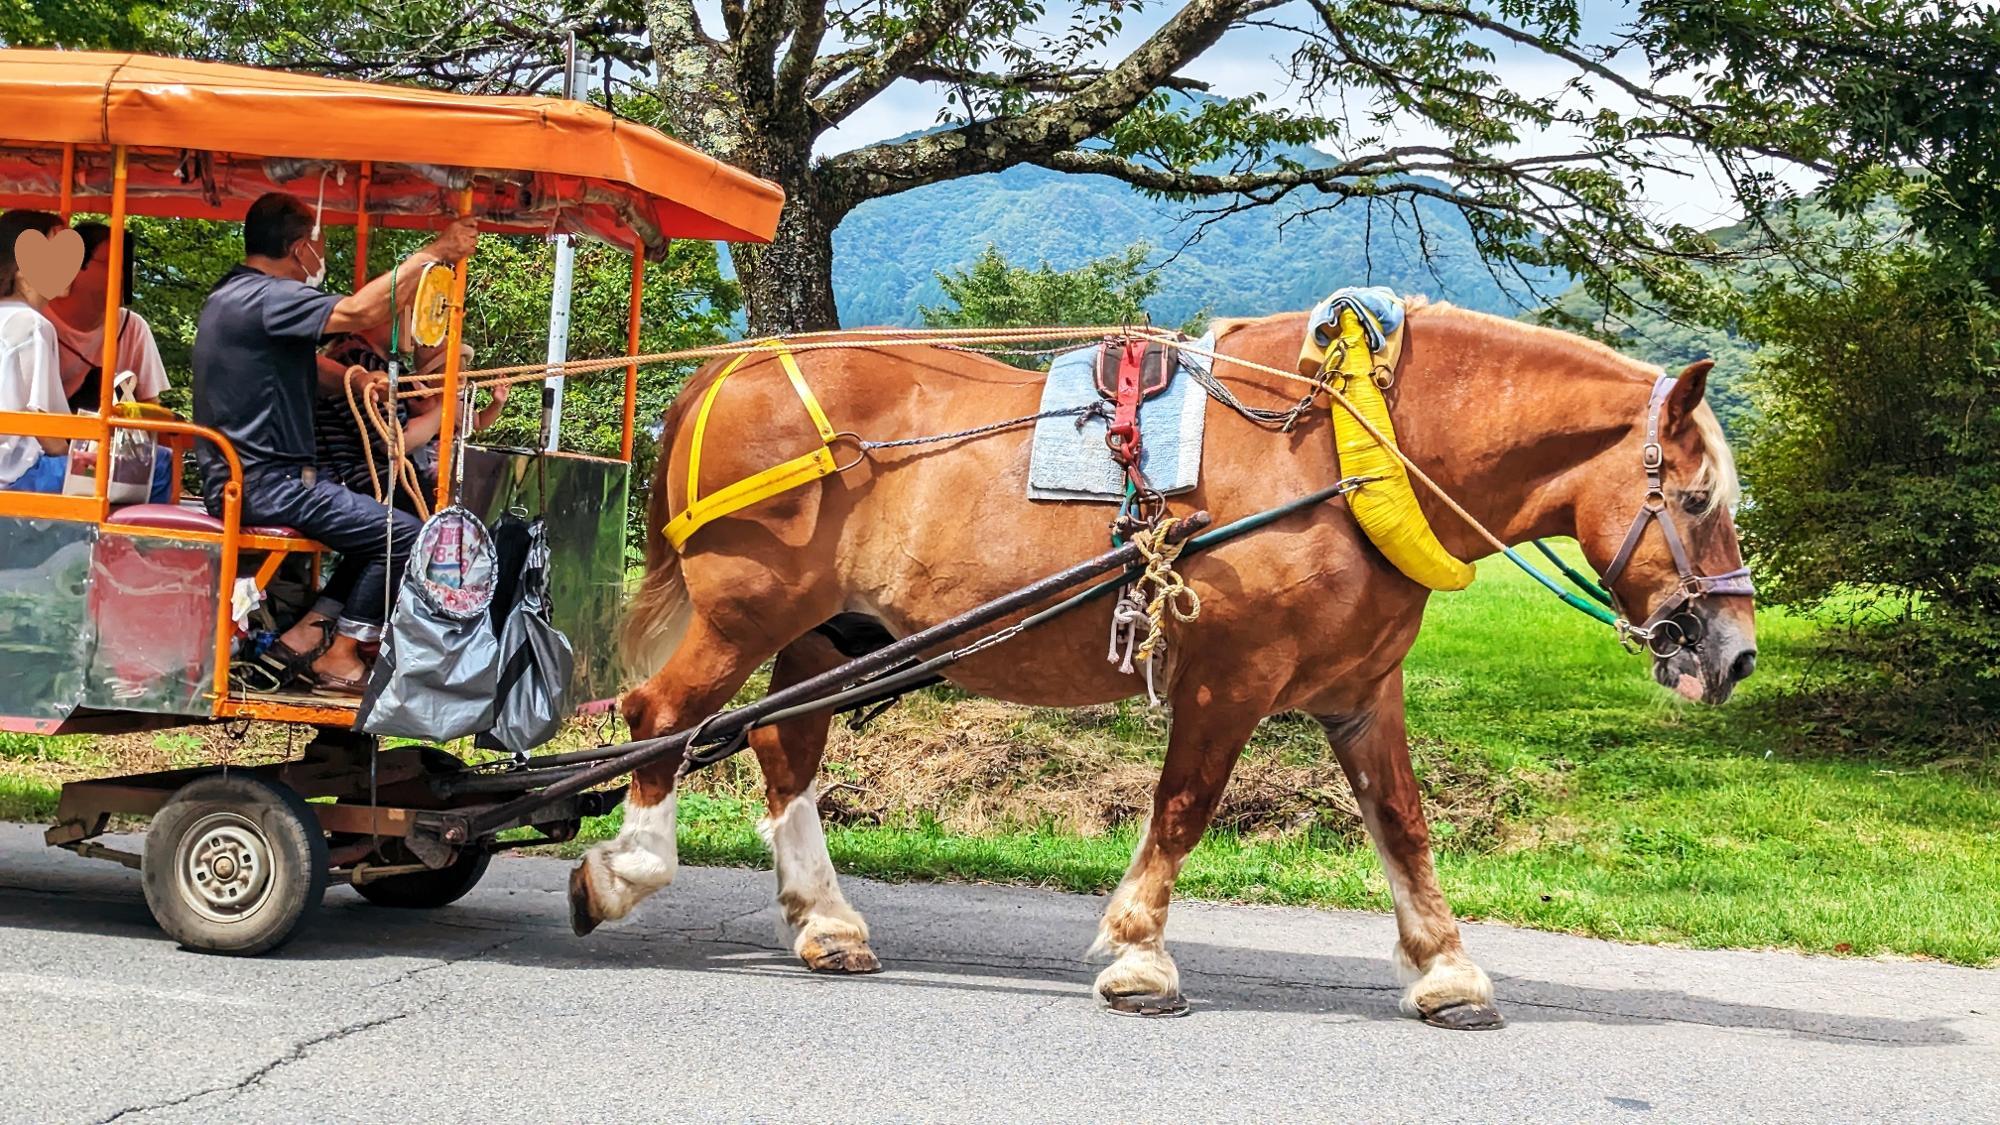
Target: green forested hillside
888	252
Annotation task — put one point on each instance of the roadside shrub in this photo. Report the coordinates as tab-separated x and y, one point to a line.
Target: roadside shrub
1873	462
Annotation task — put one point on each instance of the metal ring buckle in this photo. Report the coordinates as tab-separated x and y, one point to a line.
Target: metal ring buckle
1656	500
1633	638
860	450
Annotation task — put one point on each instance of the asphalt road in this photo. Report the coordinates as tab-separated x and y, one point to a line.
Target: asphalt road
490	1011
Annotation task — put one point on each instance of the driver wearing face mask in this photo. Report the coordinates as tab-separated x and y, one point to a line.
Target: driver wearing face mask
255	379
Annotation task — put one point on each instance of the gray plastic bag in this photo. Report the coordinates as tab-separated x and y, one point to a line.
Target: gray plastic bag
536	660
435	678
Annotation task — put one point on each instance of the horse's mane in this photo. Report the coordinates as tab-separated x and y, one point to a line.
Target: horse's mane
1716	478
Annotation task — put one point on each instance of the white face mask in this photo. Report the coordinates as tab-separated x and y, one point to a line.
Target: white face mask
316	275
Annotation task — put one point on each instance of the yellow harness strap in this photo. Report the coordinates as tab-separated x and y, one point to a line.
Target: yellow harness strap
1387	508
702	510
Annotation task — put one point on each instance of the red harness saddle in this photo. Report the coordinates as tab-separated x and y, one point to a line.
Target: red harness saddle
1128	373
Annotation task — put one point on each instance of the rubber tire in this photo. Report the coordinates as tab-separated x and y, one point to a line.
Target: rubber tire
298	864
428	890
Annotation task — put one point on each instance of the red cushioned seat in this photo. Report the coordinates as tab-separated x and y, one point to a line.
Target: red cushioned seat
175	517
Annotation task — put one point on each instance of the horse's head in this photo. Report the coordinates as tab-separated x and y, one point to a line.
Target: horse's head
1654	518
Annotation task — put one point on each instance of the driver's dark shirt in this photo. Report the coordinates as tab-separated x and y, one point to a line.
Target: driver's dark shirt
255	376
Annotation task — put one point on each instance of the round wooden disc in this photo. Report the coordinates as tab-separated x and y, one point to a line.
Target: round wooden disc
430	312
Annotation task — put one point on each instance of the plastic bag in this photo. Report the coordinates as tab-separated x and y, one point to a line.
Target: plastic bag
435	677
532	695
132	453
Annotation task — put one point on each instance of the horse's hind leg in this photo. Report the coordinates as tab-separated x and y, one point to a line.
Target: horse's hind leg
1207	736
826	933
612	878
1446	988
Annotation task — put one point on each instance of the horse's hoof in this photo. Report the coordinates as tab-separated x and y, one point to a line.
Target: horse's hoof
580	918
832	957
1467	1017
1147	1005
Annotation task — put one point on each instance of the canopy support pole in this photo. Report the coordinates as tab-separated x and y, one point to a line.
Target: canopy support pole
632	348
361	226
453	345
67	188
109	357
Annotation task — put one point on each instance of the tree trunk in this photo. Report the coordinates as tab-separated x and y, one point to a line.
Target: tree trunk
788	283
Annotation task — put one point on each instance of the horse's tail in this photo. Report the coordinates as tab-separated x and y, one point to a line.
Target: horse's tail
658	617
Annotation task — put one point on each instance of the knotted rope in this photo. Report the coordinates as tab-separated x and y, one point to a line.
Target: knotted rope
1170	591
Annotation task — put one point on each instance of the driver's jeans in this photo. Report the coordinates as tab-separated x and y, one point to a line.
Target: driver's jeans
373	541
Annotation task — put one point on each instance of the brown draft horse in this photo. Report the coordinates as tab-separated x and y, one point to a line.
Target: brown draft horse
1537	432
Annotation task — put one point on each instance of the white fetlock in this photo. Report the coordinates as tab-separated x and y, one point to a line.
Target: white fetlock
824	931
1140	971
645	857
1452	979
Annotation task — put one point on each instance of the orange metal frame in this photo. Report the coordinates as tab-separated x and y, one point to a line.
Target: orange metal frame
233	540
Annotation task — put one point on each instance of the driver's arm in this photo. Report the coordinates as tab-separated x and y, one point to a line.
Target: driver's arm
369	306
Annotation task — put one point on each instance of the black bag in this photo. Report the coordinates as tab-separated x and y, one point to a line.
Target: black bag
532	695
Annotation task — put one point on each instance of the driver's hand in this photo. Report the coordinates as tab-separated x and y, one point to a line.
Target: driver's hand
457	240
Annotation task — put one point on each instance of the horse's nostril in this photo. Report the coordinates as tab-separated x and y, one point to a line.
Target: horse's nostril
1744	664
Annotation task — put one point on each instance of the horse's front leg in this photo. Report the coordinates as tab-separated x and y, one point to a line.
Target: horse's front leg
1207	737
1445	988
827	934
615	876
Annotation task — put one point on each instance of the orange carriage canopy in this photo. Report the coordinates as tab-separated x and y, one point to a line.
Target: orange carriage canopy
203	140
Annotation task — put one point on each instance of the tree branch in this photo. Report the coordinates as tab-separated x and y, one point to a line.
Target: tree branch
883	66
797	69
991	145
834	67
1027	81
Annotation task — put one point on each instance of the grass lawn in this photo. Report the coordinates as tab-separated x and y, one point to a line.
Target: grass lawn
1640	818
1610	807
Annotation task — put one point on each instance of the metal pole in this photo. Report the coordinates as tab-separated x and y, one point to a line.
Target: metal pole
575	76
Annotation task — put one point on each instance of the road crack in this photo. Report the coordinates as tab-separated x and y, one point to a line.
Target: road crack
299	1050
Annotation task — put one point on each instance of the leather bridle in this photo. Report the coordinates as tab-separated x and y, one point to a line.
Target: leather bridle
1672	626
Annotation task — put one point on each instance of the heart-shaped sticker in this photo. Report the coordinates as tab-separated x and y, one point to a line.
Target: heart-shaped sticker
48	263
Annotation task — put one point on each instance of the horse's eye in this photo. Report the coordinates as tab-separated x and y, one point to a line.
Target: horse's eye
1694	503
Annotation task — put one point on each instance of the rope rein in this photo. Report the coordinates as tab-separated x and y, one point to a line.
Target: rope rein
851	338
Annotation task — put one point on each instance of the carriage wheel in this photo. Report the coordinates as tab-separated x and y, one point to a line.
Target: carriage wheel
233	864
427	890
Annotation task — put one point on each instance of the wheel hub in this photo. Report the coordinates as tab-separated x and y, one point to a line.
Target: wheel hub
224	867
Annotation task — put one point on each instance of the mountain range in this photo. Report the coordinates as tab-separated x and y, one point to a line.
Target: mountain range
1269	259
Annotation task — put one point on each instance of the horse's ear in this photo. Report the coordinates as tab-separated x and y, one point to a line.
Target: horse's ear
1687	394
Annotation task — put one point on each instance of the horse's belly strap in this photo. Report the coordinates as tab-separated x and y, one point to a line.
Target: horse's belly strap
762	485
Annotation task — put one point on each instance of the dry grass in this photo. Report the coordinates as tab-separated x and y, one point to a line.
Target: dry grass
977	767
